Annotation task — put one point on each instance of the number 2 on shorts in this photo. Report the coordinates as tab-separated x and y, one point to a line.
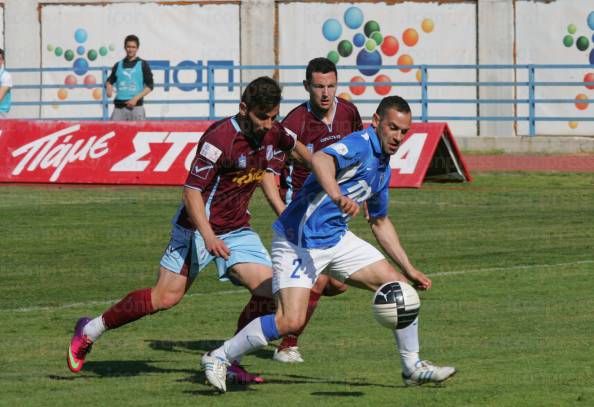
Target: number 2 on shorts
297	264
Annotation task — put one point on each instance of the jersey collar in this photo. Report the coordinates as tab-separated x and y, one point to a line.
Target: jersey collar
375	141
310	110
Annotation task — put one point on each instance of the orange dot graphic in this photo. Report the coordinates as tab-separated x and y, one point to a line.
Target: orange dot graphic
405	60
427	25
410	37
345	96
572	125
97	94
62	94
581	106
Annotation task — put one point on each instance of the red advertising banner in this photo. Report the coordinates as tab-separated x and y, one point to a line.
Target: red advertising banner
160	153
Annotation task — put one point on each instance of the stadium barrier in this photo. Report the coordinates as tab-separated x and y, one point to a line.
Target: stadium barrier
161	153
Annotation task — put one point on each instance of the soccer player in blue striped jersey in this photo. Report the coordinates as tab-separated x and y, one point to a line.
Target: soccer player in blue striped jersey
312	235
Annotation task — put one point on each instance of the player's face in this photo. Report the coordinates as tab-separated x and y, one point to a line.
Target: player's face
258	121
322	90
391	129
131	49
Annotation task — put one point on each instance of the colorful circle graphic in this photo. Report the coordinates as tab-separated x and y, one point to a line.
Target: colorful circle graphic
370	45
369	58
382	89
370	27
80	50
353	17
80	66
581	105
345	96
50	47
568	41
359	40
62	94
58	51
405	60
377	37
589	77
571	28
80	35
427	25
572	125
332	30
390	46
70	81
90	81
345	48
333	56
410	37
590	20
592	56
582	43
357	90
103	51
69	55
92	55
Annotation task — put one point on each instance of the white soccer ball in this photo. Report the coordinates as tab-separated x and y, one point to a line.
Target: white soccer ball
396	305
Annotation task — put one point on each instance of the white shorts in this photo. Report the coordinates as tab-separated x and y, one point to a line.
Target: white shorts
294	266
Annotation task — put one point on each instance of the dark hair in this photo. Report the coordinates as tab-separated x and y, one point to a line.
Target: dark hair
133	38
2	53
320	65
263	93
392	102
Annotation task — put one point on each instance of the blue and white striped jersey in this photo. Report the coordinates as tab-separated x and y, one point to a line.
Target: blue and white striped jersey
312	220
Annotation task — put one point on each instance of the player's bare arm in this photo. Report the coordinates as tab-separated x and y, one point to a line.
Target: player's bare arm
387	237
324	168
272	193
195	206
301	153
132	102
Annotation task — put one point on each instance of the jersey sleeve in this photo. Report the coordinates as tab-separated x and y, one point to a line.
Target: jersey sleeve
287	139
348	151
6	80
113	77
147	75
357	122
206	163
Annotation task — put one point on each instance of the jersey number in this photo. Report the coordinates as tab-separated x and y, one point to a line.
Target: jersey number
297	264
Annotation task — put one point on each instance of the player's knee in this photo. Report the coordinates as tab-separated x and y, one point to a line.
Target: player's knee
167	300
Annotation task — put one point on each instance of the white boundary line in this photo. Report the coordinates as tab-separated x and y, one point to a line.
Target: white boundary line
228	292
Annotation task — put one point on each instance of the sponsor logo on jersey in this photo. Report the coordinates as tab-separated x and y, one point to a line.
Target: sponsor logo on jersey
210	152
254	175
340	148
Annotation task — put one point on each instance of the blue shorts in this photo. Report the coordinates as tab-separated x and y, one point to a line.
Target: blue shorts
186	253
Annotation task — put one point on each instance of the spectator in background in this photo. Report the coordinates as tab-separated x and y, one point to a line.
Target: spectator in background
133	80
5	88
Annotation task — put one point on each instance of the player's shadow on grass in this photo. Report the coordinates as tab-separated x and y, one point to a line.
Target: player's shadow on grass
198	347
119	368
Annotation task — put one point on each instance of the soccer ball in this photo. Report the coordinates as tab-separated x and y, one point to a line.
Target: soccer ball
396	305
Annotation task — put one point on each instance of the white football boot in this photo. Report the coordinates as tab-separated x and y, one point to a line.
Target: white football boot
427	372
215	370
288	355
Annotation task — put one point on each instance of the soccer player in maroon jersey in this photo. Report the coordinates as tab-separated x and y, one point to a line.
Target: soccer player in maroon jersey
212	222
322	120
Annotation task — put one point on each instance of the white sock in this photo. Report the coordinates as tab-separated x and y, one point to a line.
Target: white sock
407	340
95	328
247	340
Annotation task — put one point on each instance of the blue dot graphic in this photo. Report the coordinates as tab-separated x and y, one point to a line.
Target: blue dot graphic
591	20
592	57
80	50
359	40
80	66
353	17
332	30
80	35
368	58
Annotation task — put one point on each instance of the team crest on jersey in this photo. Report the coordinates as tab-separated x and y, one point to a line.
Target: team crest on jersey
201	168
242	161
340	148
310	147
269	152
210	152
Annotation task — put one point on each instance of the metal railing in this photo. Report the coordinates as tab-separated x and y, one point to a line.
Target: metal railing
422	84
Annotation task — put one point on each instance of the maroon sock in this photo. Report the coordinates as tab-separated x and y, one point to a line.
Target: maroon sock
291	340
256	307
135	305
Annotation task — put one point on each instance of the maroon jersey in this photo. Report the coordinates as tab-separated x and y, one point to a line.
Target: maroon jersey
315	135
228	167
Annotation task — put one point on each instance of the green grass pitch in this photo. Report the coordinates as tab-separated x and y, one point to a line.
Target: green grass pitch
511	256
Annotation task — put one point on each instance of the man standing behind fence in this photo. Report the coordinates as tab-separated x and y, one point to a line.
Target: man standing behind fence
5	88
133	80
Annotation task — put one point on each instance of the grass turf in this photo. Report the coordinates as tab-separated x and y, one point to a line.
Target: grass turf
511	256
